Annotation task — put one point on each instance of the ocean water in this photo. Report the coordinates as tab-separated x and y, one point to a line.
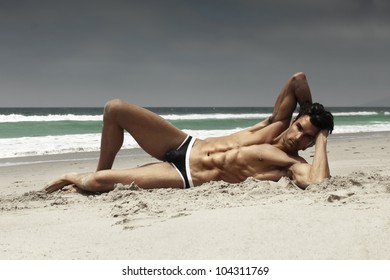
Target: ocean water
45	131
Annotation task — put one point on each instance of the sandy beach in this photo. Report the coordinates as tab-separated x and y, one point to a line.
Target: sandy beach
345	217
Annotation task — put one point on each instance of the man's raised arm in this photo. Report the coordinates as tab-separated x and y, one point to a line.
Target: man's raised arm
295	91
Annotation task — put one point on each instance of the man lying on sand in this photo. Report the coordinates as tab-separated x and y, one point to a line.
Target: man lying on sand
265	151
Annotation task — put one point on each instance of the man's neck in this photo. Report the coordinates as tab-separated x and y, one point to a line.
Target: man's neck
278	142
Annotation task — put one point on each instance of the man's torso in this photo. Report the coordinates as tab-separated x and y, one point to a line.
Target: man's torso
234	158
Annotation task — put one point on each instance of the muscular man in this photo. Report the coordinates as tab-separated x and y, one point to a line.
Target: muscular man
266	151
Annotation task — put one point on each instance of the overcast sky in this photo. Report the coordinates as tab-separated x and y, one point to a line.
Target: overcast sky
192	53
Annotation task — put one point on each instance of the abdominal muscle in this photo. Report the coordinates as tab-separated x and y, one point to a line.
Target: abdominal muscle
230	160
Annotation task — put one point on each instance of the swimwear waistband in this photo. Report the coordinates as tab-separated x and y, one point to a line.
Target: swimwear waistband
188	169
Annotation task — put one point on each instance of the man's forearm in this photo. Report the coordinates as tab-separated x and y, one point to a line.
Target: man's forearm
320	167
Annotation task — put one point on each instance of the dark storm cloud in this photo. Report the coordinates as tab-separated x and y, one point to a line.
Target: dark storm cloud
206	53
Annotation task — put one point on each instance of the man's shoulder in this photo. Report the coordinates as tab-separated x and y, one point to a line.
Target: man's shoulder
281	125
273	130
278	125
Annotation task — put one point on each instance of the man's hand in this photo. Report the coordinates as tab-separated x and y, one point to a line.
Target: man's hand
322	135
305	174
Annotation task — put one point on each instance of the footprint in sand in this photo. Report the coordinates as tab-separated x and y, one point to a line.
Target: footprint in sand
339	196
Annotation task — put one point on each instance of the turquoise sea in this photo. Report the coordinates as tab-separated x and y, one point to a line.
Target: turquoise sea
41	131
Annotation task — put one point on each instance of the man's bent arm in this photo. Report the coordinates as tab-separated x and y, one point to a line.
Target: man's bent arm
305	174
295	91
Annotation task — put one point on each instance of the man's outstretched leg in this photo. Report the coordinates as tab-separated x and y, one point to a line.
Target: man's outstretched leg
156	175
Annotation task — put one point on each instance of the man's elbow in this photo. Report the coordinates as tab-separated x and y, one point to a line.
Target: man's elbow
304	175
299	75
303	182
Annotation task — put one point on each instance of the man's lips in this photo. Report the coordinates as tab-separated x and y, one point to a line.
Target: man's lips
293	143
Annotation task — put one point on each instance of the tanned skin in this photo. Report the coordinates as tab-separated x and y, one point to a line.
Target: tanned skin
265	151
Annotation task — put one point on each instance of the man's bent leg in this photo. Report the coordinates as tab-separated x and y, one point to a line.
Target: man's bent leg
111	140
154	134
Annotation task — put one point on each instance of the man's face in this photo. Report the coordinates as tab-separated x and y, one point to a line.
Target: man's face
300	135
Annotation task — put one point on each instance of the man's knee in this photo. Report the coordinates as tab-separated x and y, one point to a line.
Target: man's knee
113	104
112	107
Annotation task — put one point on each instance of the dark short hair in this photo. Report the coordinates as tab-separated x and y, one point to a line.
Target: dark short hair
319	117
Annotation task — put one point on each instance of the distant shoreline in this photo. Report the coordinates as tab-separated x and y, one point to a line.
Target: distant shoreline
138	152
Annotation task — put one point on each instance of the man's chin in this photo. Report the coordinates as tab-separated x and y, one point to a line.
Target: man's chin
290	147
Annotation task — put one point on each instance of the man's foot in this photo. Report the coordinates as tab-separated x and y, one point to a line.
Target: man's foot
56	185
75	189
